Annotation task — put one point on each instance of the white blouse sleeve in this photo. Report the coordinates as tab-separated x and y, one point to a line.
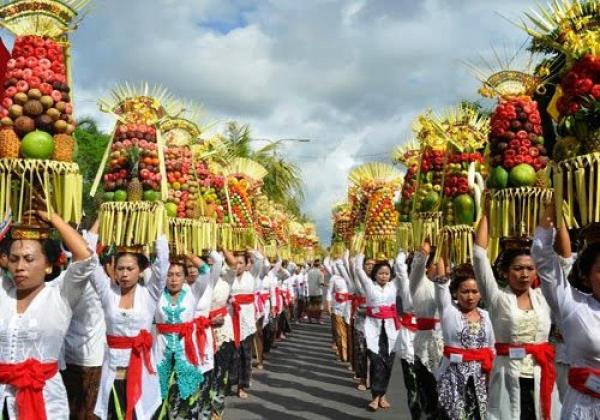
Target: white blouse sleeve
484	274
364	280
417	272
75	279
159	269
401	279
217	267
443	299
559	294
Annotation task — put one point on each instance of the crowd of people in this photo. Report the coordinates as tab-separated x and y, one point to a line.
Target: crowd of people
121	335
124	337
517	339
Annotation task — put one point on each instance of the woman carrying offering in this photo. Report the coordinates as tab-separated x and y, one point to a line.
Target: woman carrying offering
468	345
222	331
243	279
578	315
129	378
178	356
428	341
523	378
381	327
34	318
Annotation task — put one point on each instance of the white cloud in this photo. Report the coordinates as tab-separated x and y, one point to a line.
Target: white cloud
349	74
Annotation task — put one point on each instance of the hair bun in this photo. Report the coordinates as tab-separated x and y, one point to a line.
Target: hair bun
512	243
590	234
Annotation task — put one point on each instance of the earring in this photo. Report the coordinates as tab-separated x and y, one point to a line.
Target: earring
48	270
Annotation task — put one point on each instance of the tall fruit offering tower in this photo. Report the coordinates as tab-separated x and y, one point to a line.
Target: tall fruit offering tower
409	157
133	168
517	159
426	215
189	232
568	32
243	181
36	111
380	182
465	131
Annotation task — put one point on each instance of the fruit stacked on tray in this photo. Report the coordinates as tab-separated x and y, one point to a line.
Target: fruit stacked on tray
36	111
243	182
517	160
430	180
135	181
132	170
379	183
465	131
568	34
188	231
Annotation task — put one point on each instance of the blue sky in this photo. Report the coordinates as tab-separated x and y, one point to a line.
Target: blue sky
349	74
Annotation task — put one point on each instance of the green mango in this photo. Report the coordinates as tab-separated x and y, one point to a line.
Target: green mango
464	209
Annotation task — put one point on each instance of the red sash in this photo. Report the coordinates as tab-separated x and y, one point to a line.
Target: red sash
288	297
216	313
236	303
29	378
212	315
409	321
202	323
357	300
426	324
140	346
278	300
342	297
185	331
262	298
543	353
385	312
578	376
484	355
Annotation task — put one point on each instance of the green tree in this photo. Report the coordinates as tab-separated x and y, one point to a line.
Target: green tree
283	183
91	144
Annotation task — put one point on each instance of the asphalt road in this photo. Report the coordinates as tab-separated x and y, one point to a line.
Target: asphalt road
303	380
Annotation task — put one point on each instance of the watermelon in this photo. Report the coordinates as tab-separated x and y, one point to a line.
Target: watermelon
464	209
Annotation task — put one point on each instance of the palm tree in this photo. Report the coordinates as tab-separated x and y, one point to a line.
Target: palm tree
283	183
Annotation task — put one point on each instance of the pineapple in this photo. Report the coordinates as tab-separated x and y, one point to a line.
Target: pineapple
592	142
541	179
587	126
9	143
135	191
63	147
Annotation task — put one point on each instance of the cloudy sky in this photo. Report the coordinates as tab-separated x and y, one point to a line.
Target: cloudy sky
349	74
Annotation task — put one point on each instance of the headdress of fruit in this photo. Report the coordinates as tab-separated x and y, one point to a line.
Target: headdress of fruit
139	110
408	156
380	182
466	133
516	144
243	177
183	186
36	81
431	165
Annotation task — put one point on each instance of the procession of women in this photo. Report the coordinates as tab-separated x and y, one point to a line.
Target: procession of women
162	282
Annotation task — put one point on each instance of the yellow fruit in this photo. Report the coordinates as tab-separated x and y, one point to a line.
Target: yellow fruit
63	147
9	144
